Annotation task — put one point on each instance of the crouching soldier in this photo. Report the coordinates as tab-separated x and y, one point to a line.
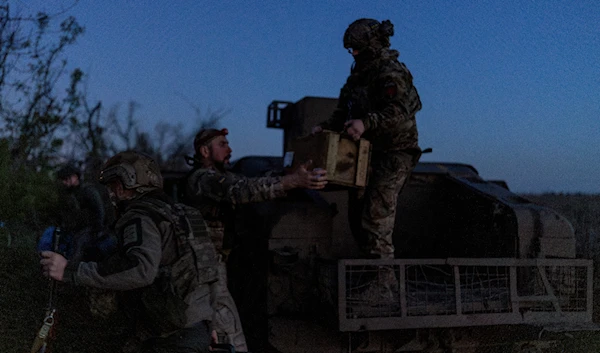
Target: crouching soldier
165	260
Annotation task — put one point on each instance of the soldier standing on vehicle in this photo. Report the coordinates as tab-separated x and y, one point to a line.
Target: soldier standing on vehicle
215	192
172	285
378	103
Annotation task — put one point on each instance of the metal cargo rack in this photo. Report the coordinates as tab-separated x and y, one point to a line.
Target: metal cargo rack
455	292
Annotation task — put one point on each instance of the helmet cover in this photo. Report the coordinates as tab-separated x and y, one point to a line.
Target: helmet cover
134	169
368	33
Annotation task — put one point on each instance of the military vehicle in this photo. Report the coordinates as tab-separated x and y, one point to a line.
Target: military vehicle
478	268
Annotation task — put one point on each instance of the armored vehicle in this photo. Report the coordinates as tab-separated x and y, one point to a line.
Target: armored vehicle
478	268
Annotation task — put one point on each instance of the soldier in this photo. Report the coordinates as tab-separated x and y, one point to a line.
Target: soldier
85	204
171	285
378	103
216	191
84	213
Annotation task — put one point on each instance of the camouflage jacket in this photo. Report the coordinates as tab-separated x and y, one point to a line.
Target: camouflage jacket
147	249
214	192
382	95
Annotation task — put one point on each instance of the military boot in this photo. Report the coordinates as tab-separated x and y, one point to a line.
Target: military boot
381	293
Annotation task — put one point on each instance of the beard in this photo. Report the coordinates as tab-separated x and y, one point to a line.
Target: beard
222	165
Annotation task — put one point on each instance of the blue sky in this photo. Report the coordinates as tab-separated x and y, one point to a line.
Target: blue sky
510	87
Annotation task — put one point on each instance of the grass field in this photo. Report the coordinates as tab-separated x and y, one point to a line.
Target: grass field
23	299
24	293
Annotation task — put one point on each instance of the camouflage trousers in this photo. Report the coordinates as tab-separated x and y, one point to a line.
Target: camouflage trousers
226	320
372	212
103	303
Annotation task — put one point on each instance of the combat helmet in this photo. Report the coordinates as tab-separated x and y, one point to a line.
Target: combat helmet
367	34
135	170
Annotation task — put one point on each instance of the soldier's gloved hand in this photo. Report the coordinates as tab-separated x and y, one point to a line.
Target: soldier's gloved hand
355	128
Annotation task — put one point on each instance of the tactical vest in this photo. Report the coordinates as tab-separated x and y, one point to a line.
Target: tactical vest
180	293
215	213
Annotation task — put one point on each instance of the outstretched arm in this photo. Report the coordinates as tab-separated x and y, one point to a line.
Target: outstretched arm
237	189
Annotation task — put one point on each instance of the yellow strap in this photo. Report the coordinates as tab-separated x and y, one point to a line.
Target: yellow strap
40	340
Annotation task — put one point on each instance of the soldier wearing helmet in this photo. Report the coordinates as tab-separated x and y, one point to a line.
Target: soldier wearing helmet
365	38
215	191
379	103
147	249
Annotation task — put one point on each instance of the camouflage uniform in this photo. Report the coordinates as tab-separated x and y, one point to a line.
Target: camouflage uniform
215	194
147	251
380	92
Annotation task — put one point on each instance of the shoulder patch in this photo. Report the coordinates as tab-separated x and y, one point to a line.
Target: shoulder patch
131	234
390	90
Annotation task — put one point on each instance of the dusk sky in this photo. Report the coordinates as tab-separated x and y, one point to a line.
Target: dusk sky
510	87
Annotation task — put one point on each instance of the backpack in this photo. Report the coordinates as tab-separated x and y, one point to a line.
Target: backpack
180	295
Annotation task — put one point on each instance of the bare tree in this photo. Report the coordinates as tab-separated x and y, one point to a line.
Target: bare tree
168	144
178	141
32	112
182	145
124	129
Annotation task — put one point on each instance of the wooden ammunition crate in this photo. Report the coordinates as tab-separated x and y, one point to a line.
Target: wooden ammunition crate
346	160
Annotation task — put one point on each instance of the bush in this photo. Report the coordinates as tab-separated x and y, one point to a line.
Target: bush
28	199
